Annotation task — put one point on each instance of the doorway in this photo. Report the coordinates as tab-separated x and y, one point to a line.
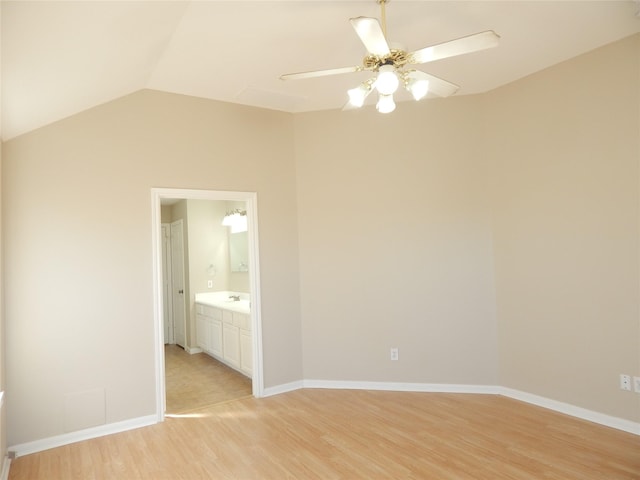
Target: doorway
160	195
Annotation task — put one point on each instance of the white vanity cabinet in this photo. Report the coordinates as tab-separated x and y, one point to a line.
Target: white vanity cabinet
225	335
215	338
246	352
209	329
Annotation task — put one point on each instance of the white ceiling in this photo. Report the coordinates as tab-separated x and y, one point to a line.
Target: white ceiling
59	58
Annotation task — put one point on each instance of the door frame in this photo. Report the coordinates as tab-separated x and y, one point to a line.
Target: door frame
251	199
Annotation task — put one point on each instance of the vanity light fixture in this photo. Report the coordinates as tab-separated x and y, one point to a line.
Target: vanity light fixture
236	220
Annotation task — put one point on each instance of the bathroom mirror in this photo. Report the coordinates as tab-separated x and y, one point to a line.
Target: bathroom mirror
239	252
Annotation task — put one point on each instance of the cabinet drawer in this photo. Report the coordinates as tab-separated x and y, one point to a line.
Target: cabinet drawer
213	312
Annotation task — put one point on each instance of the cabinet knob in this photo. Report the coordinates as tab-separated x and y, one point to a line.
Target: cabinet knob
180	291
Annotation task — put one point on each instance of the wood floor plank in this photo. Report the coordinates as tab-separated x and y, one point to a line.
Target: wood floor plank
341	434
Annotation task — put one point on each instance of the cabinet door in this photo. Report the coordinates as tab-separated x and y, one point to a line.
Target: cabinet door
215	338
231	344
246	352
202	332
241	320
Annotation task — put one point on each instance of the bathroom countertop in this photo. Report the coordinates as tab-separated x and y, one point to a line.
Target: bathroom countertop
222	300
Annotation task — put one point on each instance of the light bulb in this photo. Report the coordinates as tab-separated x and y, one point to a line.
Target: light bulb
358	94
387	81
418	88
385	104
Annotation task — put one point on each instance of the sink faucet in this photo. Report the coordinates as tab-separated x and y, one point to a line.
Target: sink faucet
235	298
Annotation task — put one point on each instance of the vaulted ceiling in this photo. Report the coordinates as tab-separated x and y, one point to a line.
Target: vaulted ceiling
59	58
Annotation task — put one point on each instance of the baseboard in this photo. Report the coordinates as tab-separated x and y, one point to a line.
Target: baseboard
80	435
400	387
192	350
6	465
284	388
572	410
561	407
557	406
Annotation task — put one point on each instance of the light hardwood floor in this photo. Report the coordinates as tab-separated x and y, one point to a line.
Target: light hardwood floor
195	381
341	434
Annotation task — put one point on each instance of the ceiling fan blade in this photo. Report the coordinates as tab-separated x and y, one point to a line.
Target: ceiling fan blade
320	73
371	34
471	43
440	87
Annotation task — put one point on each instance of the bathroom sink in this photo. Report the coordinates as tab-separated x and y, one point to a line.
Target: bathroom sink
220	301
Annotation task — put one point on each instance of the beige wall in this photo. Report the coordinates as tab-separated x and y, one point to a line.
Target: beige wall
564	147
405	219
402	222
395	244
79	306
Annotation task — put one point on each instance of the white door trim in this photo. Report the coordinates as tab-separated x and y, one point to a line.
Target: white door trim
251	199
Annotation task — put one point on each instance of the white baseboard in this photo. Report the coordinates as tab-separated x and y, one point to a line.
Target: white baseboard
561	407
80	435
6	465
192	350
284	388
401	387
572	410
555	405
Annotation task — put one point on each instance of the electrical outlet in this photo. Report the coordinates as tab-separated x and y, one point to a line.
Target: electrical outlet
209	283
625	382
636	384
394	354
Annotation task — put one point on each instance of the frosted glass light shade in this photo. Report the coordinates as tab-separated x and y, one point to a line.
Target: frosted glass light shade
358	94
385	104
387	81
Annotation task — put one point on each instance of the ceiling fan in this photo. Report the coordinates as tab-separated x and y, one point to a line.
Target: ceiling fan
392	65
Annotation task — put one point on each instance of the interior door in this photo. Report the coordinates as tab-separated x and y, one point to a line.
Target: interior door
167	301
177	271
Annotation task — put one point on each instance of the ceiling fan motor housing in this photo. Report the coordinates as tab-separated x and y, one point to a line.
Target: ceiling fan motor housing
397	58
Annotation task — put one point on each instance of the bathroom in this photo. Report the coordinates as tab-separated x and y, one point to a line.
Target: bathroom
202	257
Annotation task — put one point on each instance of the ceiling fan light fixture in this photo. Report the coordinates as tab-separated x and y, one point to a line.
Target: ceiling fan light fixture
387	81
385	104
390	63
357	95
